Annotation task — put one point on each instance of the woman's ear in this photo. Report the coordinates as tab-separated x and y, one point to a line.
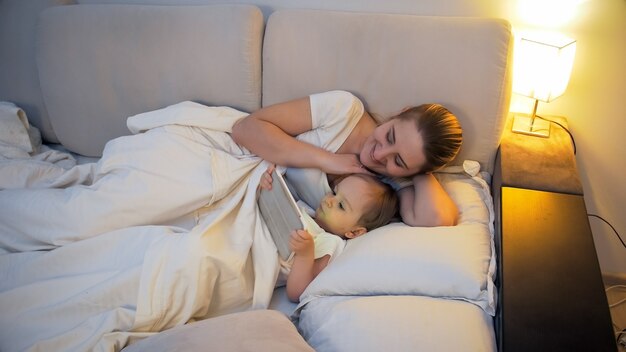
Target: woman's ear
355	232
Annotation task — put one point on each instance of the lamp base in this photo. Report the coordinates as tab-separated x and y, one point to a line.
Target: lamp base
526	125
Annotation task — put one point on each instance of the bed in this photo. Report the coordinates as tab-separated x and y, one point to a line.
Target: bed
147	94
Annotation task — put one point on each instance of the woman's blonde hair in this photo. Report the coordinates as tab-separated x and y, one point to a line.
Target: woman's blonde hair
441	133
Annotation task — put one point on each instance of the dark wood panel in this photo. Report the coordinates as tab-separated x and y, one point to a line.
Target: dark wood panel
552	295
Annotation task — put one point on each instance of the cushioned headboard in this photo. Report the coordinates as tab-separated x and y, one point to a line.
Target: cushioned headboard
395	61
99	64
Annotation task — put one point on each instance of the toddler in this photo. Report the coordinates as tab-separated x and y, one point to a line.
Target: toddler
357	204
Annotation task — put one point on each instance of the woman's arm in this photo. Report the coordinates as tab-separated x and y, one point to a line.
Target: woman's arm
270	133
427	203
305	267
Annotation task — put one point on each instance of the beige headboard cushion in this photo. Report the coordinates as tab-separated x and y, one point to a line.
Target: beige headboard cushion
99	64
395	61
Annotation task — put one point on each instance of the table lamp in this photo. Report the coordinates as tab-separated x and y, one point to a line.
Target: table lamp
541	70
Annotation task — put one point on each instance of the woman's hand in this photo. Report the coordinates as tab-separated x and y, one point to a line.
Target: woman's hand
266	178
343	164
301	243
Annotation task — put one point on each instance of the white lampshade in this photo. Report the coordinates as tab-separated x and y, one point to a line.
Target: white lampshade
542	65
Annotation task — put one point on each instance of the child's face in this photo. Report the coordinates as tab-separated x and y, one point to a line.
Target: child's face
340	211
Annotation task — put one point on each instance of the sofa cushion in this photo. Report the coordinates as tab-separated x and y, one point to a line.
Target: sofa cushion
395	61
99	64
254	331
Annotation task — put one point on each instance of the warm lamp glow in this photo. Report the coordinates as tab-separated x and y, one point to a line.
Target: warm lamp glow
542	66
541	70
547	13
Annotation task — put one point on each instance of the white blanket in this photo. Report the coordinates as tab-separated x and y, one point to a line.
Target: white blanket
24	161
17	137
94	265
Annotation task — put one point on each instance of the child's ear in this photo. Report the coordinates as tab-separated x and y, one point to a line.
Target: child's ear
355	232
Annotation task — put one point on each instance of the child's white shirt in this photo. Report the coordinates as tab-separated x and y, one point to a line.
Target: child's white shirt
325	243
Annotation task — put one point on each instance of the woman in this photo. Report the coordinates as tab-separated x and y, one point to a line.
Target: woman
331	134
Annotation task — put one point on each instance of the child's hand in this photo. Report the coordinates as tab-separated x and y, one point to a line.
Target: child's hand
266	178
301	243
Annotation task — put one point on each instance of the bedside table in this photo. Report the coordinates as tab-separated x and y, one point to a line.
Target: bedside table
551	295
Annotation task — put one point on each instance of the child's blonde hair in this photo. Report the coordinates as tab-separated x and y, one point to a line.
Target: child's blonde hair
384	207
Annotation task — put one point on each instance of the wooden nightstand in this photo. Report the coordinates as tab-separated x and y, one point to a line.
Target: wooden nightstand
551	295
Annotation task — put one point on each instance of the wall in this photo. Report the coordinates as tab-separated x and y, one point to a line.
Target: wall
594	103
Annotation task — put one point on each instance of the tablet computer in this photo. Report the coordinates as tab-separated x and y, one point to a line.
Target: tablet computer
280	212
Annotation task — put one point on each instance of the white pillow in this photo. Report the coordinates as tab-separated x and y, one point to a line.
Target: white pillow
395	323
455	262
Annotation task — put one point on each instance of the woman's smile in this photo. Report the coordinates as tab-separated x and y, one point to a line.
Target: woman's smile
372	154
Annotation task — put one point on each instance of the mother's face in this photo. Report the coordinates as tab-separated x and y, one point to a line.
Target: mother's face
395	148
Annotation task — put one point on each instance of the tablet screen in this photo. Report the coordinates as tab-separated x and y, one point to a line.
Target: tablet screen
280	212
